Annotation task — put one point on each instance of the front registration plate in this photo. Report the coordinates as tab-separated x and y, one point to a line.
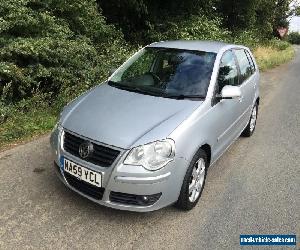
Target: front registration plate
82	173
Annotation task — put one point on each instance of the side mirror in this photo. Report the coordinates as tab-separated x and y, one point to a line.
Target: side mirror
231	92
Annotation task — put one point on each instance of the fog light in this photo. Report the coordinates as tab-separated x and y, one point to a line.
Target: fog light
132	199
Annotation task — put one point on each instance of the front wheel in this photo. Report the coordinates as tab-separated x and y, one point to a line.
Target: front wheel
249	130
193	182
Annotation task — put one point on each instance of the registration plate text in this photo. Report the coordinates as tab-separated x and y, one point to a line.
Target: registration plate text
82	173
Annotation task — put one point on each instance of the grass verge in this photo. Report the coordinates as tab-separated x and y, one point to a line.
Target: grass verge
270	57
35	118
22	127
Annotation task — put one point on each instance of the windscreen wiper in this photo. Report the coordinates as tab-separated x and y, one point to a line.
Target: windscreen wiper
182	97
152	93
133	89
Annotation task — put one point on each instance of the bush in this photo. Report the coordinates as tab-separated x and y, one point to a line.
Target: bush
294	38
249	38
278	44
201	27
49	46
195	27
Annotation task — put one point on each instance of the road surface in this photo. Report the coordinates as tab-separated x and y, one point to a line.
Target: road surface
253	189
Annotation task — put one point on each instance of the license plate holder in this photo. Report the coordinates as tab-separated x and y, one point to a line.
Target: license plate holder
82	173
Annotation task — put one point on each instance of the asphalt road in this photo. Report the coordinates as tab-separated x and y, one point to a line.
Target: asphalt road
253	189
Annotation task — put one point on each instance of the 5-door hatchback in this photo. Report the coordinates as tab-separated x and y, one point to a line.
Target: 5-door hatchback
144	139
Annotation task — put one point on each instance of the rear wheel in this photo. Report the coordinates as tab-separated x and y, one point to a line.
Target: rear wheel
249	130
193	182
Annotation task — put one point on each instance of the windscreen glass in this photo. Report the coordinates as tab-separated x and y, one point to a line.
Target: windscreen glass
167	72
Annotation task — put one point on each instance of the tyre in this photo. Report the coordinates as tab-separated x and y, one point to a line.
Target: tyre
249	130
193	182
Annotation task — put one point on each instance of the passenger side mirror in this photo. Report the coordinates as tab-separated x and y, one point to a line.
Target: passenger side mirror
231	92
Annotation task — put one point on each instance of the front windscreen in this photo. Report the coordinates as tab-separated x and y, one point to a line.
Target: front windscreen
166	72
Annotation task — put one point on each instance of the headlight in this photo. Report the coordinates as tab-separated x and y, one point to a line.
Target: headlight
152	156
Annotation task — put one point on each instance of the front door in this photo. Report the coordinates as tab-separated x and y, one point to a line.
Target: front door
226	113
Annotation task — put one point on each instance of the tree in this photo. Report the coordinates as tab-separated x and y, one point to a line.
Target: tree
136	17
238	14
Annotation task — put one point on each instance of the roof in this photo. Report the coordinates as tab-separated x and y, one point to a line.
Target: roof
208	46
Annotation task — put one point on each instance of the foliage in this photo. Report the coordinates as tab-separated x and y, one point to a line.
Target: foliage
194	28
136	16
294	37
238	14
279	45
53	50
268	57
49	45
25	119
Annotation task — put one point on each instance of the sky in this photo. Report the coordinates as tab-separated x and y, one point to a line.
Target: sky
295	21
295	24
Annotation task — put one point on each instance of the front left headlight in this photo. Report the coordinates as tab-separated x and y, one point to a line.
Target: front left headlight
152	156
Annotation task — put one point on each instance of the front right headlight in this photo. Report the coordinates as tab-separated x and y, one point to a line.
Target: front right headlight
152	156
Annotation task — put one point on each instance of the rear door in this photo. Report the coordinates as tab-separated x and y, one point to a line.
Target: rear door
247	83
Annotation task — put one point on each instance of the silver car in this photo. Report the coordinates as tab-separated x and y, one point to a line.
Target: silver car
145	139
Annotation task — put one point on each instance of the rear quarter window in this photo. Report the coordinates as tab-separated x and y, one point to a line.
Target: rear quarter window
250	58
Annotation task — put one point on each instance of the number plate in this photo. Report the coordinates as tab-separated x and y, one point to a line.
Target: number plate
82	173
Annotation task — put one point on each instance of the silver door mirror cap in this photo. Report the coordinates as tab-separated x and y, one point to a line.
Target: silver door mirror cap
231	92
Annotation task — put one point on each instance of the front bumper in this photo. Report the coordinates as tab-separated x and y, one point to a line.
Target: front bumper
164	184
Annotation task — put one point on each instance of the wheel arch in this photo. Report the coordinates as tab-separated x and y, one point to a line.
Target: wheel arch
207	149
257	100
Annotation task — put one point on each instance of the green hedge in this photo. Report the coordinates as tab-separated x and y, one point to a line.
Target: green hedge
56	47
294	38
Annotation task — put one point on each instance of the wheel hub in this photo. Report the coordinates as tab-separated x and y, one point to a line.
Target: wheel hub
197	180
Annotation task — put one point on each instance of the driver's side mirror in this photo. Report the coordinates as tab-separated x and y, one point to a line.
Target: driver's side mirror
230	92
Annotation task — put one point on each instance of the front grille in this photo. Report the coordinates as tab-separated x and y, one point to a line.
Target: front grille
102	156
132	199
84	187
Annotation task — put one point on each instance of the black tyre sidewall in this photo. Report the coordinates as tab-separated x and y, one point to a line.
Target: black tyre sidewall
247	132
183	201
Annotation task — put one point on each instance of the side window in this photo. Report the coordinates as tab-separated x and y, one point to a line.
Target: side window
245	66
228	73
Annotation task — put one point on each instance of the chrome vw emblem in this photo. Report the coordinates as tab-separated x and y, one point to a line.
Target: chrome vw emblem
86	149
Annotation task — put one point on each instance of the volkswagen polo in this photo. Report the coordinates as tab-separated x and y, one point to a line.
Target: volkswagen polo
144	139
